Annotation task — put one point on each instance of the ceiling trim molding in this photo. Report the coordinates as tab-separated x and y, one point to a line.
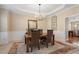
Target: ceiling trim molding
30	13
57	9
64	9
17	9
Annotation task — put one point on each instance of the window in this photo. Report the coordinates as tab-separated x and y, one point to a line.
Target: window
54	22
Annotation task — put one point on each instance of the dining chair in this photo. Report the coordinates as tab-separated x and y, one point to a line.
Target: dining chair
35	40
49	38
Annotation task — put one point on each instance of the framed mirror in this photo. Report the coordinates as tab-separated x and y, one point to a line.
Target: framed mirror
32	24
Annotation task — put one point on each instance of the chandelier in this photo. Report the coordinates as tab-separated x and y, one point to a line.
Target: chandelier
39	17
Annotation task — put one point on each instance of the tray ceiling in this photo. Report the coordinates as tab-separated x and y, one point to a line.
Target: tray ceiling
33	9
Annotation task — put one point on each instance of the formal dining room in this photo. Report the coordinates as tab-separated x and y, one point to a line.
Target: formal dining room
39	29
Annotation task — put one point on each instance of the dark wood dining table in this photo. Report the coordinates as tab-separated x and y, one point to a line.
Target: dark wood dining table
28	37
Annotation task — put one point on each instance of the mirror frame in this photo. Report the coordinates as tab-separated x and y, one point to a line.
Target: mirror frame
32	21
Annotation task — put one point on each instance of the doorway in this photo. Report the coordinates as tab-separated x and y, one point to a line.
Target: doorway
72	24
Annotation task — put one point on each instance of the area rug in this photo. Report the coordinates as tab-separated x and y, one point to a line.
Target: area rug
64	50
43	50
58	48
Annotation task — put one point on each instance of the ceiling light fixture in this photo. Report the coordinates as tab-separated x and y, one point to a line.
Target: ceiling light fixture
40	16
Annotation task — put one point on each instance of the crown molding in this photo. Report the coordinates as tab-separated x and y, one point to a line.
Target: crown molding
30	13
66	7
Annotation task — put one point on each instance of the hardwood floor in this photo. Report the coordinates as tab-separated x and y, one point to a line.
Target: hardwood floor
4	48
73	39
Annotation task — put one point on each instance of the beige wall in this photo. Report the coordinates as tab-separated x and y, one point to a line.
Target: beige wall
43	24
63	14
19	22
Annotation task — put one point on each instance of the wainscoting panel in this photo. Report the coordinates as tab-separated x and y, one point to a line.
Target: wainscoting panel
3	37
16	36
59	35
